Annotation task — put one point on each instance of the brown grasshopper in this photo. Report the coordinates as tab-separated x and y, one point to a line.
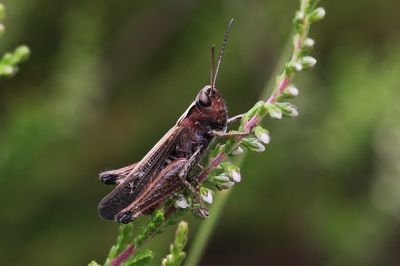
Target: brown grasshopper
145	185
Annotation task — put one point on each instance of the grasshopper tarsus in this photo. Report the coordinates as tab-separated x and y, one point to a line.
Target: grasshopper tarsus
109	179
201	212
124	218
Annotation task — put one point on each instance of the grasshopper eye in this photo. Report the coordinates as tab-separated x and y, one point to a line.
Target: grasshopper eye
204	100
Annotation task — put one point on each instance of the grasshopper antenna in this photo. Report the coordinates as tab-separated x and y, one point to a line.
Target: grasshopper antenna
221	54
212	64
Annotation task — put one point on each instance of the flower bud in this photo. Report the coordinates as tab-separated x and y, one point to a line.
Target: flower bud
232	170
235	176
308	62
181	202
262	134
238	150
299	16
296	66
317	14
292	91
206	194
308	43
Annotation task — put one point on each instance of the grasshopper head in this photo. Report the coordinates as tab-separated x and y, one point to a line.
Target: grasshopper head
208	110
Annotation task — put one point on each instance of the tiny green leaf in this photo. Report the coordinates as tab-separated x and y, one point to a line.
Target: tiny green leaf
152	227
288	109
177	255
253	144
141	258
257	109
274	111
93	263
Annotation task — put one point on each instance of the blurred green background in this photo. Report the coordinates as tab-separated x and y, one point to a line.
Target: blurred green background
106	79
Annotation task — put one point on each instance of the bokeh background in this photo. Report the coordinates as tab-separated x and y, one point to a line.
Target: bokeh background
106	79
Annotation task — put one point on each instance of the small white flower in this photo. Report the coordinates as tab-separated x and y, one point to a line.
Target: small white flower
237	151
181	202
207	195
292	91
300	15
308	42
309	61
317	14
320	12
292	111
260	147
235	176
276	113
262	134
297	66
264	138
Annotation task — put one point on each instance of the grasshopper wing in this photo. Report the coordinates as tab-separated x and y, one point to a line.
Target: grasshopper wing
141	175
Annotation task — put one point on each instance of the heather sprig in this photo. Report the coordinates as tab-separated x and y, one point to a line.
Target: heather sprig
274	106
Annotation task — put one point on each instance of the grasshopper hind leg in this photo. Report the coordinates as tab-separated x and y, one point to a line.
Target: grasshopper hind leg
170	180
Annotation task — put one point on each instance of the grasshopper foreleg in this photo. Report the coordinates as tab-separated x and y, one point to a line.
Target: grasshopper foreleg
229	134
235	119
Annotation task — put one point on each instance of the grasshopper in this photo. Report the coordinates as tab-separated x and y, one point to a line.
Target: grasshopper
165	169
